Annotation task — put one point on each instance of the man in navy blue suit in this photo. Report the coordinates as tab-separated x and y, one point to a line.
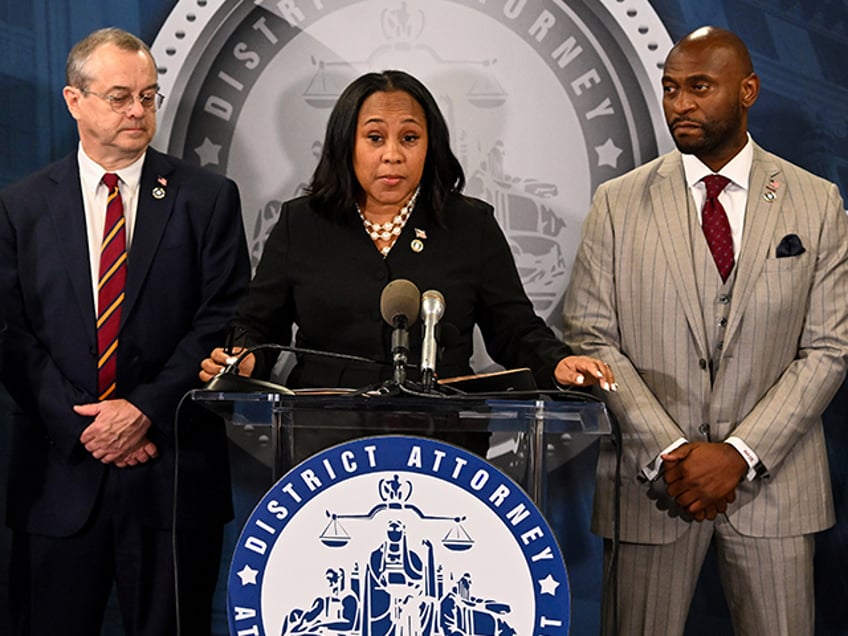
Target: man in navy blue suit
93	500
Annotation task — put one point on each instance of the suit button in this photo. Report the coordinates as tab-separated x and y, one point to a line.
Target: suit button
702	363
722	322
724	299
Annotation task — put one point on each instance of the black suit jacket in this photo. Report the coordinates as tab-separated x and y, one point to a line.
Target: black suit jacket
327	278
187	269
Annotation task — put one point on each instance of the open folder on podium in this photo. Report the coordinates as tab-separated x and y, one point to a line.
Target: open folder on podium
494	382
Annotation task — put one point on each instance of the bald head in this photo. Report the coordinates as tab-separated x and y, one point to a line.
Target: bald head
718	42
708	86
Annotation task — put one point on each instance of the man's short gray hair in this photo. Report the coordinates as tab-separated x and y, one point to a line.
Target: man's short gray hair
78	57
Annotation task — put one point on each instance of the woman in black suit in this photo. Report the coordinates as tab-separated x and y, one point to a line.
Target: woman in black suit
385	203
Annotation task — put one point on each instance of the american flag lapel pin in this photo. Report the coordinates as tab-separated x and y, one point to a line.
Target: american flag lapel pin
159	191
771	190
417	244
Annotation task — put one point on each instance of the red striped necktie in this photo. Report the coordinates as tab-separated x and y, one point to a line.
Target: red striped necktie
110	288
716	226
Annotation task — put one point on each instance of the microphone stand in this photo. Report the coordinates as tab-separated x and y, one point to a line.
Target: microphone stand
400	349
400	384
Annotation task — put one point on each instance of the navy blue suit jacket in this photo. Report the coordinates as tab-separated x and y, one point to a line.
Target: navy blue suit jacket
187	268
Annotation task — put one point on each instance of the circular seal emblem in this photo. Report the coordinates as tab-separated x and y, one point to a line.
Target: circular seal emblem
545	99
397	535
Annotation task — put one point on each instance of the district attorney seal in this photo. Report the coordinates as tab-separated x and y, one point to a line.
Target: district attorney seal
397	535
545	99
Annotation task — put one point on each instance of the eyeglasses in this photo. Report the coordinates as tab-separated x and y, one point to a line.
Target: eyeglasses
149	100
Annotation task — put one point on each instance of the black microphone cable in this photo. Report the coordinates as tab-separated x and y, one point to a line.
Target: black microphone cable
611	574
174	508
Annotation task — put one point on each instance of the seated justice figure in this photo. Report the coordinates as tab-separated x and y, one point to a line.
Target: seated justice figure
329	614
464	615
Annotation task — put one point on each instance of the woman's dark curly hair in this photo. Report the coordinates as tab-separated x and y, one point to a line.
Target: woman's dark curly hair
334	189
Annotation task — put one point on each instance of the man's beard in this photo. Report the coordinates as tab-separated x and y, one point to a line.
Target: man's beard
714	135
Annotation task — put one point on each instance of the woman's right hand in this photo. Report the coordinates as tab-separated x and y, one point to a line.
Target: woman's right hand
219	359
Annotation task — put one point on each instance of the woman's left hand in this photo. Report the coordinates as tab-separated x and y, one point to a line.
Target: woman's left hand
585	371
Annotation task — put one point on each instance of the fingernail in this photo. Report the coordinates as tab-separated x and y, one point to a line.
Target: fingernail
579	379
605	385
599	374
614	386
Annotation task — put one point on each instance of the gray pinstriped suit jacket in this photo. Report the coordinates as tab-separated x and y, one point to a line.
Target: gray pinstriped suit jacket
633	302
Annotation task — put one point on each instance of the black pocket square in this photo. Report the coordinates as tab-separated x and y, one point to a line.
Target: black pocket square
790	245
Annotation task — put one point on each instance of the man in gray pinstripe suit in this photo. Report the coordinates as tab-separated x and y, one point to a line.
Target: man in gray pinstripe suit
721	382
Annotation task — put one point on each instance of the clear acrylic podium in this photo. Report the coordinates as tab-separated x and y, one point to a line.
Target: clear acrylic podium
525	438
548	446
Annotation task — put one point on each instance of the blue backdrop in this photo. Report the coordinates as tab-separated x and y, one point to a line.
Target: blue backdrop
799	49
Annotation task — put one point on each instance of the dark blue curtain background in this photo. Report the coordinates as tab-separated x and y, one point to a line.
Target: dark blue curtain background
799	50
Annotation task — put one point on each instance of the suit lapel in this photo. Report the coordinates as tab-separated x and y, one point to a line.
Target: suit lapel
671	202
760	219
151	220
66	209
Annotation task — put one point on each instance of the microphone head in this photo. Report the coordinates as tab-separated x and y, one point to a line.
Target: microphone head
432	305
400	298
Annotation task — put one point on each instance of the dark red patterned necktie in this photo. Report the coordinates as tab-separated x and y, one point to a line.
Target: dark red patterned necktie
110	288
716	226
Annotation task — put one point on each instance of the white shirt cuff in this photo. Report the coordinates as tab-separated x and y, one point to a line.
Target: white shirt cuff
749	456
652	470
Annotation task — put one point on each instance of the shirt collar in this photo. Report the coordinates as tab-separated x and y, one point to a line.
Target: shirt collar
738	169
92	172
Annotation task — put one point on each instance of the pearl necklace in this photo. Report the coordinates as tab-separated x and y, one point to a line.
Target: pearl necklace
390	230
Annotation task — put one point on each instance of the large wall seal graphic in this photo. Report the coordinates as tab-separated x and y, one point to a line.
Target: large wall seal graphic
545	100
397	536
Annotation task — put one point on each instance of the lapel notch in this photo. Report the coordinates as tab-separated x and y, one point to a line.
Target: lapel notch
156	196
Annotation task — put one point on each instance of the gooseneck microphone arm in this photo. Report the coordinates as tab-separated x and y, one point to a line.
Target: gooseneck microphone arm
233	367
228	378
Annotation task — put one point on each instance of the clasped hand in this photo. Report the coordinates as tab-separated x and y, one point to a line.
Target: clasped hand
118	434
702	477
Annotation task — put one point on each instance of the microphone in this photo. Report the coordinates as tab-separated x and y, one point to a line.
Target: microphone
432	310
399	304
